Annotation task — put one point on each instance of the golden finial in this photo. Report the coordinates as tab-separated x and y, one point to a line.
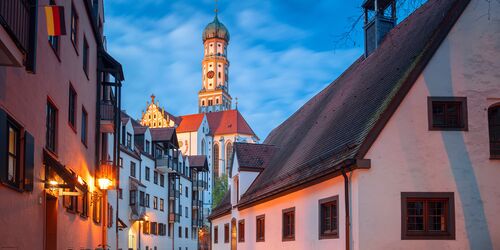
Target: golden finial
153	98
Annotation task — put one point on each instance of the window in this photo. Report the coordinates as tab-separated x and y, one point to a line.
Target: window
146	201
288	224
155	177
494	129
241	231
180	232
147	146
186	233
229	154
120	193
180	209
186	211
154	228
226	233
427	216
180	188
110	216
155	202
72	107
147	173
142	198
162	204
216	160
13	154
132	169
120	162
187	192
447	113
51	121
216	234
85	56
261	228
74	26
328	218
84	126
162	180
84	212
133	197
146	227
129	140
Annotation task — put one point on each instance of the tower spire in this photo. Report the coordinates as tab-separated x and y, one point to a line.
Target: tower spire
216	10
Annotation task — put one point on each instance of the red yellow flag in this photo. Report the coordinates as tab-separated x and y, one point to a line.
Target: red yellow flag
55	20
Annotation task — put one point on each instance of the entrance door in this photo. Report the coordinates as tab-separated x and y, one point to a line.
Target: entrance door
50	222
233	234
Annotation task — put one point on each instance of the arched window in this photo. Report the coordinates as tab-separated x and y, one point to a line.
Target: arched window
203	103
216	160
229	153
203	146
494	129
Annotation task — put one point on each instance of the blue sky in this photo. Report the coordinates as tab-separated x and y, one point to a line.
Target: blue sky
281	52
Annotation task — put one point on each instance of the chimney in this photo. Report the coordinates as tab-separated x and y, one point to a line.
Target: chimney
380	18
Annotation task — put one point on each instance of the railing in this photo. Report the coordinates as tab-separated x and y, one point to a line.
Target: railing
197	204
107	111
15	18
174	194
173	217
167	163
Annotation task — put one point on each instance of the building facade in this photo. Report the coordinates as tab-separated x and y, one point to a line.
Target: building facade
58	101
404	143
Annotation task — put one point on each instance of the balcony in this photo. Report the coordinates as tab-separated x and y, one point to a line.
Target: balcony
18	33
167	164
174	194
199	185
107	116
197	204
173	217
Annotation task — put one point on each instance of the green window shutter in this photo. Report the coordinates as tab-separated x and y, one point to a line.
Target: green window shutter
29	161
3	146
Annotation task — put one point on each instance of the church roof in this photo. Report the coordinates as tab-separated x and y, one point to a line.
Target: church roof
190	123
215	29
228	122
342	121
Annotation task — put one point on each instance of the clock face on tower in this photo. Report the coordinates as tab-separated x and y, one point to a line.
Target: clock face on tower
210	74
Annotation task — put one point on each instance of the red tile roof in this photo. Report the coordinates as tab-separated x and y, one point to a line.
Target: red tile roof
228	122
190	123
341	122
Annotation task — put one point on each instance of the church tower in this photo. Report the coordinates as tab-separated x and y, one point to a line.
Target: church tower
214	94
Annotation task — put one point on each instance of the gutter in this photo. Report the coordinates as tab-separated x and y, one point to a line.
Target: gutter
347	208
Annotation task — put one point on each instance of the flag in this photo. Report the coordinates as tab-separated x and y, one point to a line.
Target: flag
55	20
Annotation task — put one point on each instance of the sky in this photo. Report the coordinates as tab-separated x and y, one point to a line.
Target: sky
281	52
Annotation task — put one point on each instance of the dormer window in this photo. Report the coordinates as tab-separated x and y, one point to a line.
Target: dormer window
147	146
129	140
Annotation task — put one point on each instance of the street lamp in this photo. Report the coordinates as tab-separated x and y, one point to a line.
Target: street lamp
105	180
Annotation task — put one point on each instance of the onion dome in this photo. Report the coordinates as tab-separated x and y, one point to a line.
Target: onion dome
215	29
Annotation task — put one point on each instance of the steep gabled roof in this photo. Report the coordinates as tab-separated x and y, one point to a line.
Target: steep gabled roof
198	161
164	135
253	157
138	128
190	123
342	121
228	122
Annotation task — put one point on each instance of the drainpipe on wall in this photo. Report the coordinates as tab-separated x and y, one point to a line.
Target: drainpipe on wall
347	206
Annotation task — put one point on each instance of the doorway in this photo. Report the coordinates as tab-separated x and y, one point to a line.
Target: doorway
50	222
233	234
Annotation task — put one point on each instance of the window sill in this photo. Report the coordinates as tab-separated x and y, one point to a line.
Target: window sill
428	237
288	238
11	186
328	236
447	129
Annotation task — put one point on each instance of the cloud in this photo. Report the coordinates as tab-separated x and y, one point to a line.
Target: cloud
271	72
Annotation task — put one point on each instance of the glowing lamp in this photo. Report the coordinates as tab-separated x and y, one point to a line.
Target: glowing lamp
104	183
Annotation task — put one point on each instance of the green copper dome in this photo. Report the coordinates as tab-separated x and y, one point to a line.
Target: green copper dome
215	29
